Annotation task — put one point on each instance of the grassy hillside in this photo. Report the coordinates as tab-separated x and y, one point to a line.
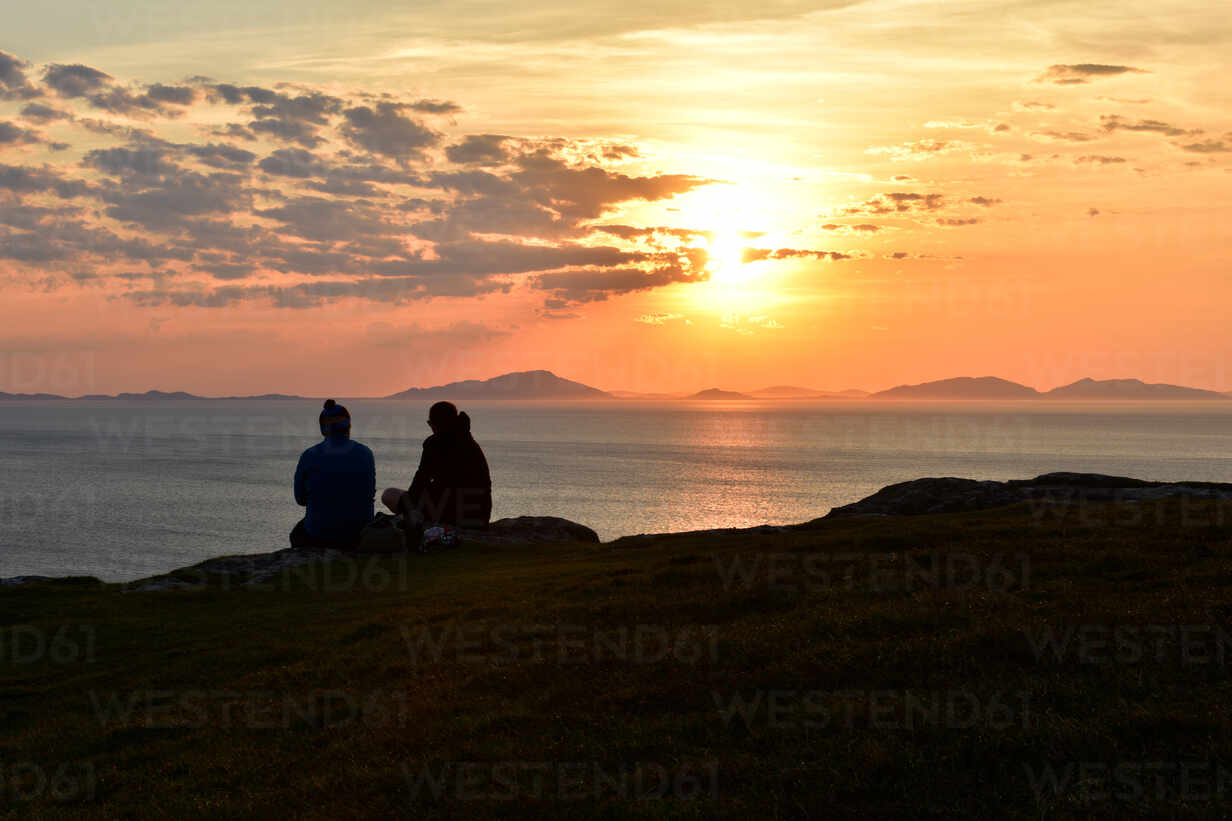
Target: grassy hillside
1019	663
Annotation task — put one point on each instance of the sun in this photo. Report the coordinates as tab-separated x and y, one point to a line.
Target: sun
725	252
733	223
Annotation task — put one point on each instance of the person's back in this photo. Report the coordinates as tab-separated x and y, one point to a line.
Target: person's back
336	481
452	484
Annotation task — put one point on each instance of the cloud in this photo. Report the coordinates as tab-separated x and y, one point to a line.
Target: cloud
920	149
757	254
297	228
1079	73
291	131
40	113
956	221
435	107
292	162
130	162
1061	136
987	202
1031	105
384	130
897	202
479	149
1208	147
898	255
657	318
317	218
23	180
11	134
219	155
173	95
13	82
293	118
120	101
74	80
863	228
598	285
990	127
1113	122
1099	159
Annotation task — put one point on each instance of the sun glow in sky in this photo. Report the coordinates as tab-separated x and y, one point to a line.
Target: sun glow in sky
323	199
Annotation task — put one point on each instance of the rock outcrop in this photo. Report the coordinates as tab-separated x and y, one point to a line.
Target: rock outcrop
259	568
531	529
950	495
14	581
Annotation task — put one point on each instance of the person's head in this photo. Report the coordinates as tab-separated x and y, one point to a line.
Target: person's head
335	420
444	416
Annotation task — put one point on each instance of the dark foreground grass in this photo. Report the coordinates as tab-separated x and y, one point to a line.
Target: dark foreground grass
1019	663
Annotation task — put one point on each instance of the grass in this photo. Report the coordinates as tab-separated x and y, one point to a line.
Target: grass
856	668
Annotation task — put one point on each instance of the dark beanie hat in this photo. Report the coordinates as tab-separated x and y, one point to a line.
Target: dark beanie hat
334	418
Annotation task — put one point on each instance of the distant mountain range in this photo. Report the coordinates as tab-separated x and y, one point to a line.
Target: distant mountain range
991	387
542	384
962	387
147	396
519	385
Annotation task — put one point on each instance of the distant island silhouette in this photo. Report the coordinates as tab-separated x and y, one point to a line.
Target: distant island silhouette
991	387
715	393
517	385
543	384
147	396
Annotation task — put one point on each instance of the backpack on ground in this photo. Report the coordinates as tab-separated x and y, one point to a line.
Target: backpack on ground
384	534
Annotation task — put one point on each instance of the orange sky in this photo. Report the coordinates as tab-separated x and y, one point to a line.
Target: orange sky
641	196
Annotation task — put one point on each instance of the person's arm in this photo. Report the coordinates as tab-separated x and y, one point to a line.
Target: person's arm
371	475
422	474
301	480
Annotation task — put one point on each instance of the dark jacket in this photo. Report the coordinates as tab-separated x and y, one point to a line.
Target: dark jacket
336	481
452	484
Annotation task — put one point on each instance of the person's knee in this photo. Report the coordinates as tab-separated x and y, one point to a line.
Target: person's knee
391	497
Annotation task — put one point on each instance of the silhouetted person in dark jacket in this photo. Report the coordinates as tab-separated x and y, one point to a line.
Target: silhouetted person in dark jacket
335	480
452	485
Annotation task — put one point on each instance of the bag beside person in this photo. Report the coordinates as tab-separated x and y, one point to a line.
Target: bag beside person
384	534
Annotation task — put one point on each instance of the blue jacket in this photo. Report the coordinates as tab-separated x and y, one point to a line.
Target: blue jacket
336	481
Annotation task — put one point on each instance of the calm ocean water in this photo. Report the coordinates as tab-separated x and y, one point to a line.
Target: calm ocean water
122	490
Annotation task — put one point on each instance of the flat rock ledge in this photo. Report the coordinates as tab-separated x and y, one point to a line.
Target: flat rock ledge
260	568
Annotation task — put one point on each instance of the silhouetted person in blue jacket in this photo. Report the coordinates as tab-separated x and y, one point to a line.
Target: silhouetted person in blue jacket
452	485
336	481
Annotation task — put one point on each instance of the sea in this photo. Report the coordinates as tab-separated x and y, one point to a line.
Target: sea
126	489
